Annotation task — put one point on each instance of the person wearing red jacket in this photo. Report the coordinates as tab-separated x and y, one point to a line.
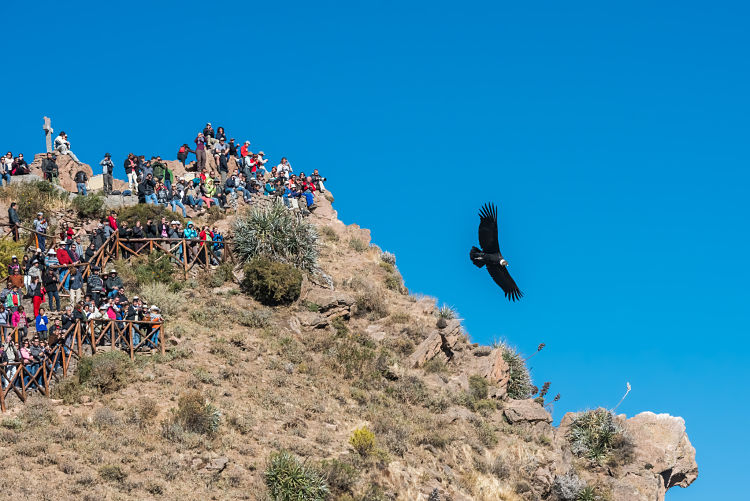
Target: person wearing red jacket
62	256
113	220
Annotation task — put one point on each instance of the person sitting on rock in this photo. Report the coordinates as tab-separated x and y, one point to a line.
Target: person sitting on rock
62	146
317	180
20	167
209	135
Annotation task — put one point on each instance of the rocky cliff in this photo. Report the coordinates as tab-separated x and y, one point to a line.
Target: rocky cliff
361	355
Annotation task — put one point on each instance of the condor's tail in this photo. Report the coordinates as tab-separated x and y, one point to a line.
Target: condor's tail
477	257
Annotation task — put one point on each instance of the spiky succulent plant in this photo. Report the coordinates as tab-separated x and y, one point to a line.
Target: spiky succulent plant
278	234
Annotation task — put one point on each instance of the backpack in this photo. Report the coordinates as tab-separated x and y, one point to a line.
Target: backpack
117	192
80	177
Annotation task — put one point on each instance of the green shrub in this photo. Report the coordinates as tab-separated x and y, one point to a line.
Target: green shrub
69	390
221	274
357	244
8	249
434	366
408	390
363	441
371	301
170	303
329	233
340	475
144	212
214	213
277	234
89	207
38	412
288	479
485	433
520	386
152	269
112	473
12	424
38	196
196	415
255	318
594	435
393	282
271	282
105	372
478	387
353	358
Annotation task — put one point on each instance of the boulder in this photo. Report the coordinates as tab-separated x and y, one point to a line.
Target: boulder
67	167
438	341
331	304
661	446
525	411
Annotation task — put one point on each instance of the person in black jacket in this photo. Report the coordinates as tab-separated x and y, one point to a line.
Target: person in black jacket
151	229
95	286
147	188
52	284
50	169
14	220
90	251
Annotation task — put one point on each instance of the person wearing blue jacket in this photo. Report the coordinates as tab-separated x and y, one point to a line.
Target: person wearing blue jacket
42	324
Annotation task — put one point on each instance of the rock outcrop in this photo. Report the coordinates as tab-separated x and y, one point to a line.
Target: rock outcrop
659	456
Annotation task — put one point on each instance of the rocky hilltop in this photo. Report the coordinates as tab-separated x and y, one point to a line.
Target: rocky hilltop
377	393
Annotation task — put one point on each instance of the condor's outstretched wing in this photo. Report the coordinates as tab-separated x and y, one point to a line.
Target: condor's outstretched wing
488	229
502	278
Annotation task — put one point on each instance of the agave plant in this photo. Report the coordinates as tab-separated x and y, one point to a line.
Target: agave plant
446	312
388	257
594	434
288	479
277	234
519	383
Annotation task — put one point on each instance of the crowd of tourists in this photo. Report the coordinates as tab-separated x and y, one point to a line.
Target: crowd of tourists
30	332
36	322
153	182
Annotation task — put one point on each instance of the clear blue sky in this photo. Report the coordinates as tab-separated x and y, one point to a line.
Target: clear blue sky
613	138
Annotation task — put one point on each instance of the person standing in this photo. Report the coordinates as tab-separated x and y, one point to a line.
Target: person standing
7	167
52	285
81	179
50	169
40	227
200	151
14	220
108	169
76	284
221	150
131	171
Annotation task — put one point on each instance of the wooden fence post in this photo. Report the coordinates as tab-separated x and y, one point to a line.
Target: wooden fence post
46	381
130	340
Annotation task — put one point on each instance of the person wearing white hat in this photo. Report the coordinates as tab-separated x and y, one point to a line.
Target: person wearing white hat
154	316
40	227
112	281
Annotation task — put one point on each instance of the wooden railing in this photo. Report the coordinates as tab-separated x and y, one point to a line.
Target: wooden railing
131	336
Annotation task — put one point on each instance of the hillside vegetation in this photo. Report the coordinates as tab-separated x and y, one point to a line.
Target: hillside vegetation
310	373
